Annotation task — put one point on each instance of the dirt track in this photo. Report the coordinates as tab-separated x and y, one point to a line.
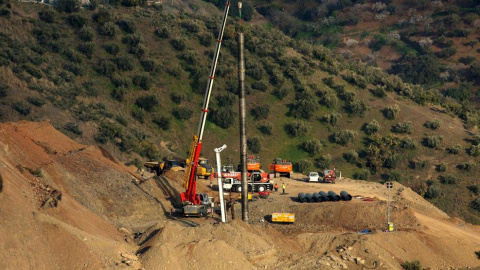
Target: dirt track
69	206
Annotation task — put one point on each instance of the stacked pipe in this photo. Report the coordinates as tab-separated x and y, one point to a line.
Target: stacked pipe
324	197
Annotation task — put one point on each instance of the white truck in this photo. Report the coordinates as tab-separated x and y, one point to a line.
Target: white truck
257	181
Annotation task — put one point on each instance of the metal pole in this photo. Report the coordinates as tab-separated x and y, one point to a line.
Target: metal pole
243	136
219	180
388	205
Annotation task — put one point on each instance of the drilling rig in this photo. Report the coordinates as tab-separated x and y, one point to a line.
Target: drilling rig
199	204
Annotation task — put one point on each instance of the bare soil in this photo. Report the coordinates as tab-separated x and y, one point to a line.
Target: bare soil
70	206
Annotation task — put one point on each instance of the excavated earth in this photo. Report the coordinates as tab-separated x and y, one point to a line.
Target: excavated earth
70	206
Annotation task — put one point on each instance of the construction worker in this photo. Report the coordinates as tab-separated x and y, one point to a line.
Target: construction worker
284	186
275	187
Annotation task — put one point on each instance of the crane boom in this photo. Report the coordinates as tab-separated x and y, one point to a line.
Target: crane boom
190	196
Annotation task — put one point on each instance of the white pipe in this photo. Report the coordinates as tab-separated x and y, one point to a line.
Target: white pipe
219	178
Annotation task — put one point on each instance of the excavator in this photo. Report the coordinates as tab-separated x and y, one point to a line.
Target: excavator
200	204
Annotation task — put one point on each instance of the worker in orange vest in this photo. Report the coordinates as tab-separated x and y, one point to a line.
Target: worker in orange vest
275	187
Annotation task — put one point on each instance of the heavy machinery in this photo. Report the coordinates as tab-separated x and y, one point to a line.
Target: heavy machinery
257	181
253	163
281	167
204	169
200	204
329	176
167	165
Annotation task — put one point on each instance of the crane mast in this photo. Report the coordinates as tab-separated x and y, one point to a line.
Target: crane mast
190	196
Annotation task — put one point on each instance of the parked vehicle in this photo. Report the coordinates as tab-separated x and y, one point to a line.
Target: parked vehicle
313	177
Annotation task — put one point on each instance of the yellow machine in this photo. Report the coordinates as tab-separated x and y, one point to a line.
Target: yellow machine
168	165
283	217
204	168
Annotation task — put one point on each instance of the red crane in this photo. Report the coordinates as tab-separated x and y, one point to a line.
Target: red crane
195	204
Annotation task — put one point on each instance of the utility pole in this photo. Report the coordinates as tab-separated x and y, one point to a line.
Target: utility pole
219	180
389	226
243	132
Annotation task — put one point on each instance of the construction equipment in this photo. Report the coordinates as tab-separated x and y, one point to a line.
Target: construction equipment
257	181
329	176
283	217
204	169
281	167
168	165
253	163
200	204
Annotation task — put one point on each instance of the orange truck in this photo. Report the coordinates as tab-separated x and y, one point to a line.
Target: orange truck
281	167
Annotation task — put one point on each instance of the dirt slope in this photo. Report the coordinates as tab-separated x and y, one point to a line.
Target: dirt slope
324	236
69	206
62	203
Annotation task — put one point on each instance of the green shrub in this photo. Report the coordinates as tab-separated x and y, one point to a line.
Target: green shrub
433	141
344	137
391	112
22	108
47	15
448	179
107	131
418	164
357	108
332	118
148	65
86	33
139	114
379	91
106	67
441	167
474	150
475	205
297	128
178	97
206	39
260	86
363	174
108	29
143	81
433	192
224	117
163	122
119	93
182	113
127	26
408	143
125	63
281	92
324	161
454	149
351	156
312	147
68	6
254	145
77	20
403	128
433	124
112	49
265	128
102	16
477	252
73	127
303	165
371	128
4	89
467	166
413	265
163	32
148	103
87	48
178	44
36	101
330	100
261	112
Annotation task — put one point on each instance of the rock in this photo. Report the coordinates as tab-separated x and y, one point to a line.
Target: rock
132	257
